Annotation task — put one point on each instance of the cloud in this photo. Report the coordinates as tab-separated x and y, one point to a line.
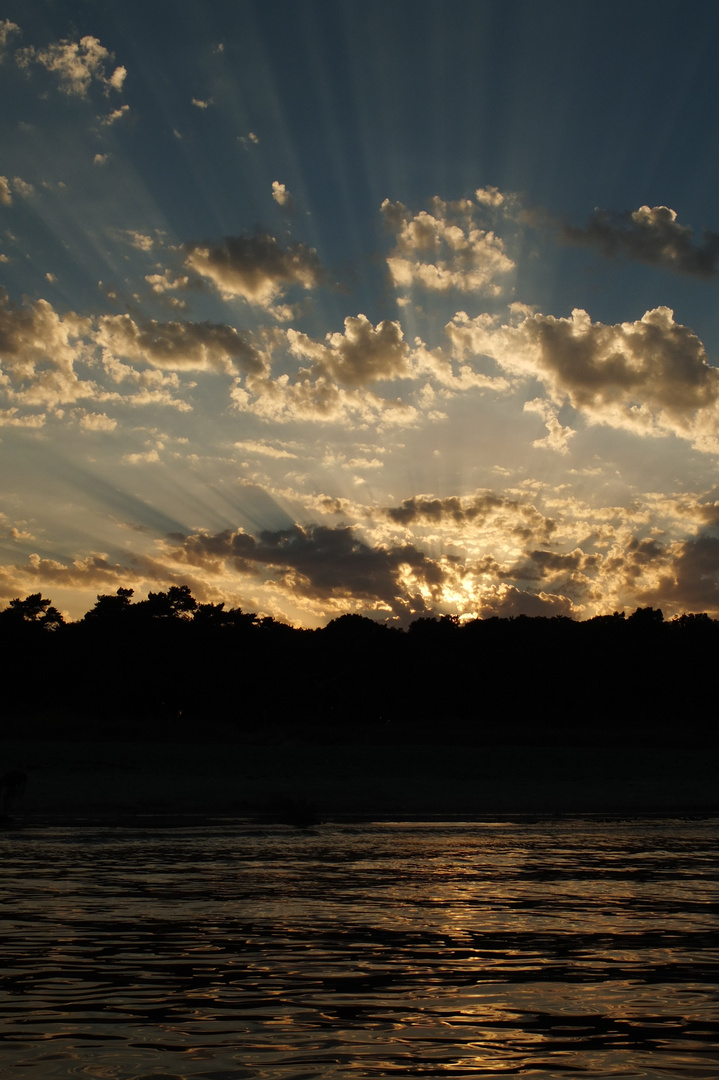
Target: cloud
5	192
93	572
650	376
255	268
14	418
38	351
361	355
7	29
76	64
22	187
484	510
314	397
691	578
559	436
101	159
114	116
282	196
144	457
651	235
489	196
200	104
332	383
179	346
507	601
97	422
166	282
144	241
253	446
446	249
320	563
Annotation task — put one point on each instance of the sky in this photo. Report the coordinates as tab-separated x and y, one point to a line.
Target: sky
396	308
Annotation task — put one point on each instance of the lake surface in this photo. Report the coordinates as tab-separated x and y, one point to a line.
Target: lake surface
552	949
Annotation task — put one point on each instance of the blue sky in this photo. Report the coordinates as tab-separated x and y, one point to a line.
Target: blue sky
288	306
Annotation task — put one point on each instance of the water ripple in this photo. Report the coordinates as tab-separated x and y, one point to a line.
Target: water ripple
243	951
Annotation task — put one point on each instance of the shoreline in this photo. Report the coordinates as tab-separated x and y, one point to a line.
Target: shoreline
137	820
362	780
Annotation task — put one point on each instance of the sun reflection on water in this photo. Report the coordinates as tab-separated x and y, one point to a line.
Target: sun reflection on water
369	950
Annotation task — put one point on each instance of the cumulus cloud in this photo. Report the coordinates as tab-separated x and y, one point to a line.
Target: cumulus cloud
315	397
178	346
77	64
142	457
690	581
14	418
166	282
489	196
256	268
93	572
321	563
507	601
5	192
514	518
559	436
651	235
152	386
22	187
97	422
281	195
446	248
38	352
332	383
650	376
362	354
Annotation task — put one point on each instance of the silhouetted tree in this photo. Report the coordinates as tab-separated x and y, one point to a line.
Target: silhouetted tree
33	609
646	616
177	602
109	608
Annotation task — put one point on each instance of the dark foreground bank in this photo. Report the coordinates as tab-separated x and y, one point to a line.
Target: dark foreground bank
379	779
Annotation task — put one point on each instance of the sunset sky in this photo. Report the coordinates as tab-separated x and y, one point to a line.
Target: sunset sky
399	308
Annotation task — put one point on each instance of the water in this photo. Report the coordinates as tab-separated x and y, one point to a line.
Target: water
550	949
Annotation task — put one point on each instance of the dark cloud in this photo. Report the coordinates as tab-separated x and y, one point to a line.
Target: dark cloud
255	267
178	345
655	360
650	376
690	581
321	563
553	563
363	354
510	602
651	235
523	519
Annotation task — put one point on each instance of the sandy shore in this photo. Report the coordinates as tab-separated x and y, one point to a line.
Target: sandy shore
379	781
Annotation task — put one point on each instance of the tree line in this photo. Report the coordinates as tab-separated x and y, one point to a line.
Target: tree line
169	664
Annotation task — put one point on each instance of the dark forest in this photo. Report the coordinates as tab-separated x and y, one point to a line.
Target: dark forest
169	665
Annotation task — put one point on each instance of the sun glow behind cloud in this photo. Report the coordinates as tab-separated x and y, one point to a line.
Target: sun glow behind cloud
305	378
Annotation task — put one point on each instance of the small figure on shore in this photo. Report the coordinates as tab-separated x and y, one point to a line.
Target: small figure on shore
12	789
